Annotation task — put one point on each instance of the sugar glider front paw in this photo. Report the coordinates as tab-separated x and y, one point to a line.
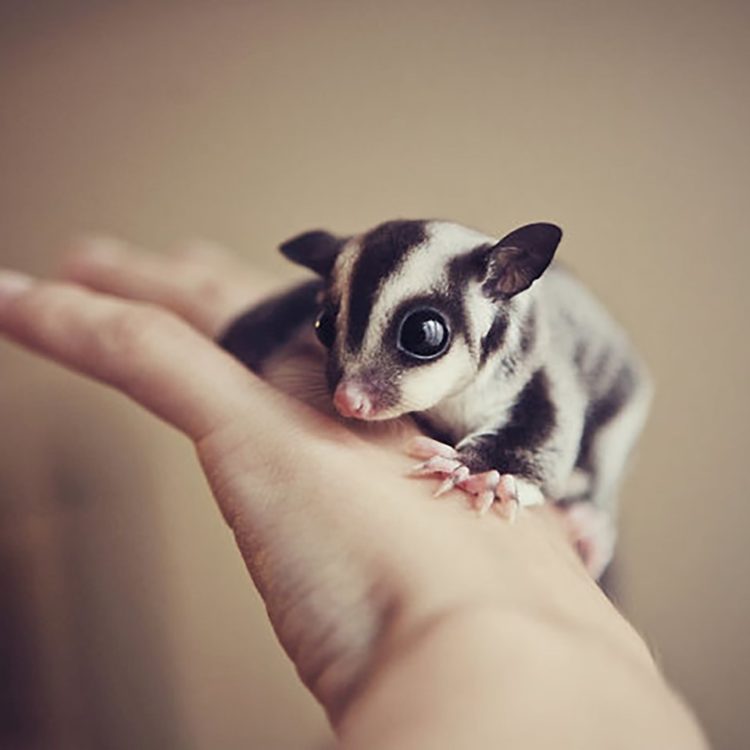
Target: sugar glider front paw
506	491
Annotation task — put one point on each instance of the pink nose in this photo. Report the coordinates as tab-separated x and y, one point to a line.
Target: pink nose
351	400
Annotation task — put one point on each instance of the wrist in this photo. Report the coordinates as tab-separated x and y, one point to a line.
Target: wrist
484	677
538	580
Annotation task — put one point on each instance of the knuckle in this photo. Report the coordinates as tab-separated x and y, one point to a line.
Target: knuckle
208	290
43	306
189	249
199	251
136	327
202	282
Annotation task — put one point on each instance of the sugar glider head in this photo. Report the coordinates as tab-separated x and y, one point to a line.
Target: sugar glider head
412	311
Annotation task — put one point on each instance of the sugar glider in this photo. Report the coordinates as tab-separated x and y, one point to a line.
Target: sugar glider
524	386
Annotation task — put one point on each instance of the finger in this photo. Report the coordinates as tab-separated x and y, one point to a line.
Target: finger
147	352
236	274
208	253
205	295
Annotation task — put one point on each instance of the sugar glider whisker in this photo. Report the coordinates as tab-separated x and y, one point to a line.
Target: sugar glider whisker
524	386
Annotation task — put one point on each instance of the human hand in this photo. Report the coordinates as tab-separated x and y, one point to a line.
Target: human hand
356	562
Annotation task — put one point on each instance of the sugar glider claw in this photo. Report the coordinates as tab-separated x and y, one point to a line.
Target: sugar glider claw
507	497
435	465
455	478
484	502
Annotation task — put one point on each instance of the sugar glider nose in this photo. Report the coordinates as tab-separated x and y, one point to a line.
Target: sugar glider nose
351	400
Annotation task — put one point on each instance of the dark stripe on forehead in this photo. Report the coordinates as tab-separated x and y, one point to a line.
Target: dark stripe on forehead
470	265
382	251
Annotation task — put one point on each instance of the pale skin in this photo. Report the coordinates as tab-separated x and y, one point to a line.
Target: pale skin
414	621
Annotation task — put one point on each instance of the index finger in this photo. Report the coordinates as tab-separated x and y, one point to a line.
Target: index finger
144	351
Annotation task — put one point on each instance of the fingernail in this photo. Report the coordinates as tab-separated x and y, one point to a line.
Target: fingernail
13	283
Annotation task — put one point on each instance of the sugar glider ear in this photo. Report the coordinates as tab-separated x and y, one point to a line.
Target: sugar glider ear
316	250
520	258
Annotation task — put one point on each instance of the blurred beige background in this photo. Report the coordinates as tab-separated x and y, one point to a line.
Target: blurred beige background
127	620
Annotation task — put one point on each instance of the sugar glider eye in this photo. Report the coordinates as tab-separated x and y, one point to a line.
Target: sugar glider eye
325	328
423	334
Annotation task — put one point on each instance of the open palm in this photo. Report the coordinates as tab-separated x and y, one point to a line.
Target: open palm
351	557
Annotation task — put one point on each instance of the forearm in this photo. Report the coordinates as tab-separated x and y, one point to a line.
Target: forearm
497	681
522	676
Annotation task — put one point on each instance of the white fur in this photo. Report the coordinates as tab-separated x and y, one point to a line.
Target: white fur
422	386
